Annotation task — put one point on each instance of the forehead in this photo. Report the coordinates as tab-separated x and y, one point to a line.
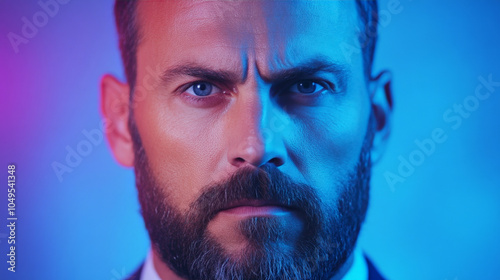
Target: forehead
271	34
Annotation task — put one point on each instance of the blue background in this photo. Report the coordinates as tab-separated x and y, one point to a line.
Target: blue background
442	222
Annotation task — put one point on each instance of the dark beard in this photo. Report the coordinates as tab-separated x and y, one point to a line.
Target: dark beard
185	245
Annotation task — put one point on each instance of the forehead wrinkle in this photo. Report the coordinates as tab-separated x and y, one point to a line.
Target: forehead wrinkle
224	19
297	23
240	21
244	62
268	39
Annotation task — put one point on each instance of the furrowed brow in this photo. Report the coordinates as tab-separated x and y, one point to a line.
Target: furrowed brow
200	72
308	69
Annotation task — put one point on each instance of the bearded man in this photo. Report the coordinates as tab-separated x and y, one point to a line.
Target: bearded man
252	127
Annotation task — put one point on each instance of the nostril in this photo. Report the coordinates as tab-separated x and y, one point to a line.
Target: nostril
238	161
253	151
276	161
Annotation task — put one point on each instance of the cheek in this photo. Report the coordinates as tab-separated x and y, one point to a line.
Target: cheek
327	142
181	148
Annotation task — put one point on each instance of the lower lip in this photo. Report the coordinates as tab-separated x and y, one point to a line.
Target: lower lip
258	211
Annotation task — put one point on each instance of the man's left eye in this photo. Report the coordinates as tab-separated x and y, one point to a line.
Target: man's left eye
306	87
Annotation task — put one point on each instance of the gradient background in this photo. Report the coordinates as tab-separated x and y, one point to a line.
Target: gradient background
442	222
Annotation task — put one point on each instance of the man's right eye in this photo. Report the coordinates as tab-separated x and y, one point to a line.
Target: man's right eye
202	89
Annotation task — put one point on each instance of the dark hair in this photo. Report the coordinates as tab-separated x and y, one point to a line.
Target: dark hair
368	14
126	22
128	37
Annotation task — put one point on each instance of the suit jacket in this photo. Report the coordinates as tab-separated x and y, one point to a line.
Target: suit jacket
373	273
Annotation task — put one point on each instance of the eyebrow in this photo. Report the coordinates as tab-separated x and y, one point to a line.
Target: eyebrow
303	70
200	72
309	68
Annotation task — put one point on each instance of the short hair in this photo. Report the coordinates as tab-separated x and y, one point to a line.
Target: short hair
128	35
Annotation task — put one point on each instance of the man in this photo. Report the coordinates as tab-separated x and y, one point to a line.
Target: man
252	127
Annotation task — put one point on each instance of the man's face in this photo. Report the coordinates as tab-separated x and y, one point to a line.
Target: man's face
252	134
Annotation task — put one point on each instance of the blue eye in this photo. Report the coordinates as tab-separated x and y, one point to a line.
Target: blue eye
202	89
306	87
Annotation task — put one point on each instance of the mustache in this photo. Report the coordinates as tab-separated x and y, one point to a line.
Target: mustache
266	183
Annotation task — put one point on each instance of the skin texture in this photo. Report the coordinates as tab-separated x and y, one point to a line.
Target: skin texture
255	115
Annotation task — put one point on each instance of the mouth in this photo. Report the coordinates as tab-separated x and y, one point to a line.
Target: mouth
257	208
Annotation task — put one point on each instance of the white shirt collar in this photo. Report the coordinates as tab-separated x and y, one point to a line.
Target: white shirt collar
148	270
358	270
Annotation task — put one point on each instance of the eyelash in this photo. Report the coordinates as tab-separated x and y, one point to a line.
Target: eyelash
327	87
209	99
202	100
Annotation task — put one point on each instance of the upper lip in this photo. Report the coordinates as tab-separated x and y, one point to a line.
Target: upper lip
255	203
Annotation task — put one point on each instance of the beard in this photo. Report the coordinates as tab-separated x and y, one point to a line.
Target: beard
186	246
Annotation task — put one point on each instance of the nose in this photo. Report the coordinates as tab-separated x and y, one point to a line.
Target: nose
256	130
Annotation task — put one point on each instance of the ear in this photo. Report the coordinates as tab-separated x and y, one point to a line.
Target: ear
381	99
115	109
